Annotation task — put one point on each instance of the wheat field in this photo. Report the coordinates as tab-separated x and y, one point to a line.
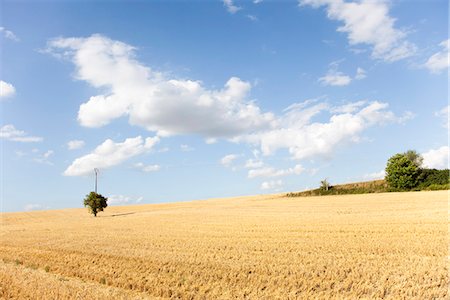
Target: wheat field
373	246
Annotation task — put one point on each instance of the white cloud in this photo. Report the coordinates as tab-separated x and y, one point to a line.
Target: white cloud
336	78
253	164
6	89
444	114
147	168
33	206
257	1
439	61
272	172
368	22
436	158
9	34
211	141
374	176
272	185
304	138
173	106
256	153
44	158
186	148
231	8
227	160
48	153
75	144
153	101
349	108
110	154
360	74
10	133
252	18
407	115
123	200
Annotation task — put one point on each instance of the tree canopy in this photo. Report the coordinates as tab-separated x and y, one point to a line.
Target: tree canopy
403	170
414	157
95	202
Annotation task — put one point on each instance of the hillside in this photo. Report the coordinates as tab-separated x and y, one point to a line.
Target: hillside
382	245
365	187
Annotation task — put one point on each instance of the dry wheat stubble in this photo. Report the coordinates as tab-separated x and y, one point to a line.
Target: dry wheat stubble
388	246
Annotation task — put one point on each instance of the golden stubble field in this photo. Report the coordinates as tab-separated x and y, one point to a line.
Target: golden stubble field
391	246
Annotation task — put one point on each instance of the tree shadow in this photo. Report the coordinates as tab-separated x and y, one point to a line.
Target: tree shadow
123	214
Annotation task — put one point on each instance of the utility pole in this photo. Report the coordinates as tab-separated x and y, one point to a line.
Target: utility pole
96	173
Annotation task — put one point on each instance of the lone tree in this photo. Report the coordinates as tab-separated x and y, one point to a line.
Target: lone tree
403	170
95	202
324	185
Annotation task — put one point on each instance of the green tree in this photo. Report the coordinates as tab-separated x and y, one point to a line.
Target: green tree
95	202
402	171
415	157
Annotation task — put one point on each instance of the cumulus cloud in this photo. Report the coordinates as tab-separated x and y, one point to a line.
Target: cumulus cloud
368	22
10	133
231	7
170	106
123	200
444	114
147	168
272	172
436	158
227	160
6	89
150	99
8	34
337	78
272	185
439	61
110	154
75	144
304	138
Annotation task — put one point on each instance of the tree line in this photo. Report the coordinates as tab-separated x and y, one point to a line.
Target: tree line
405	171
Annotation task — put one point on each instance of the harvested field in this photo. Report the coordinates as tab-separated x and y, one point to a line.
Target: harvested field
387	245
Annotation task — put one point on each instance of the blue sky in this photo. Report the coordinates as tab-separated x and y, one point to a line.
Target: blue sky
181	100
